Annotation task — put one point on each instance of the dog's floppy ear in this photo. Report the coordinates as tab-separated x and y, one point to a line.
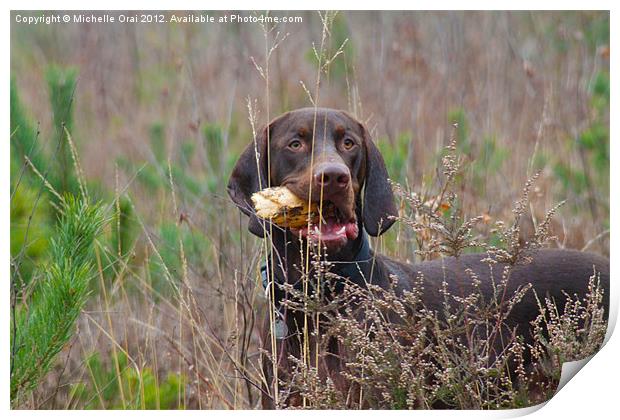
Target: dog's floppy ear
250	175
378	208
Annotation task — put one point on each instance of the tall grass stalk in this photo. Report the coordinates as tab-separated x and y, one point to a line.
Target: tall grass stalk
269	49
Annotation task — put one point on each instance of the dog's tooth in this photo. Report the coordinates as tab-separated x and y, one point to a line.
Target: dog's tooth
341	230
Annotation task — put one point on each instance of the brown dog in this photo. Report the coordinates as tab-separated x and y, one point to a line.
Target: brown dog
327	155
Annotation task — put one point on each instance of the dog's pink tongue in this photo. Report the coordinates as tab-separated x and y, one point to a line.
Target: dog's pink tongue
330	232
352	230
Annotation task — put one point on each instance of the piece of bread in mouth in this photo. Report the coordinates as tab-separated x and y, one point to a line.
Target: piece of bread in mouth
283	208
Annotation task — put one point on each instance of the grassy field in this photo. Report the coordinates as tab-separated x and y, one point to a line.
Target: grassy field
149	119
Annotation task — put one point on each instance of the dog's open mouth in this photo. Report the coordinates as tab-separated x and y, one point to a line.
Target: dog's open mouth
331	227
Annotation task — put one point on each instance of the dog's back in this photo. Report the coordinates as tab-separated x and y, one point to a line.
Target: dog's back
553	273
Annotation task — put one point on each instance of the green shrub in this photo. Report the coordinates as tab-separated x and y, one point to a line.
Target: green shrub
458	116
214	145
396	156
24	136
61	84
488	162
195	251
30	232
46	322
29	236
140	389
592	147
157	134
339	37
124	229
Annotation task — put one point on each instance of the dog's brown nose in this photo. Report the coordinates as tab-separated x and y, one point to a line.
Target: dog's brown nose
331	177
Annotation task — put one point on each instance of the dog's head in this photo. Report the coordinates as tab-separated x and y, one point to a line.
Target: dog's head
325	156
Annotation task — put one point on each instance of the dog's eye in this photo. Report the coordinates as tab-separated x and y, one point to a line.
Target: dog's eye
348	144
295	145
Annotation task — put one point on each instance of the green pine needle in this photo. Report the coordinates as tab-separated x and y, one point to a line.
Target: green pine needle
45	324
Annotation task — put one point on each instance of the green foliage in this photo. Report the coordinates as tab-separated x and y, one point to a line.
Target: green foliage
399	397
596	31
486	158
396	156
140	389
186	182
30	236
124	230
601	91
220	159
24	136
488	162
339	37
595	139
540	160
214	145
158	141
121	241
572	179
593	31
45	323
30	232
61	84
457	116
146	174
154	176
592	146
187	151
195	250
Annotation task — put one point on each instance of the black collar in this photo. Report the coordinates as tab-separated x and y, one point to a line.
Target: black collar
358	266
357	270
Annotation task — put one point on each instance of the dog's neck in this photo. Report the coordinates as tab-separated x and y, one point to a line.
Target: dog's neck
353	262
